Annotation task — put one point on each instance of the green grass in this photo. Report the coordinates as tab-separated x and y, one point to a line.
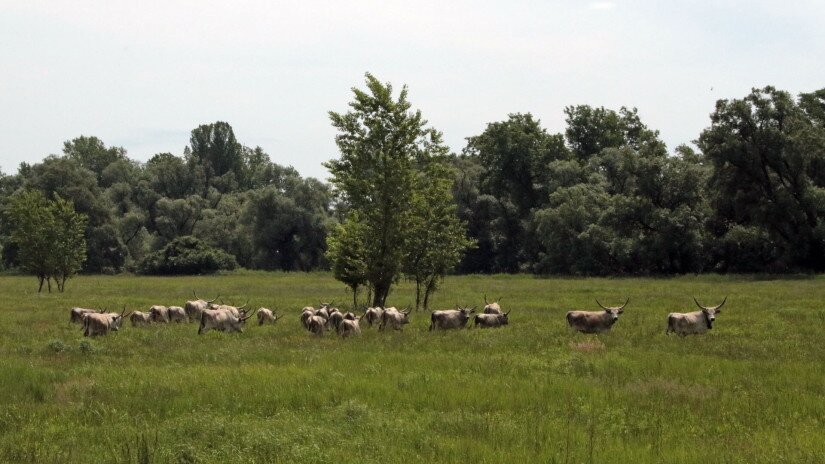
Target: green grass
750	391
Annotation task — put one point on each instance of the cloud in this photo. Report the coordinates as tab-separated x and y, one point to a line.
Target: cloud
602	6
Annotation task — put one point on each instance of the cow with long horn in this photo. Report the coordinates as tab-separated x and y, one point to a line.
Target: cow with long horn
450	318
194	308
697	322
76	314
394	318
222	320
102	323
492	308
373	315
266	316
595	321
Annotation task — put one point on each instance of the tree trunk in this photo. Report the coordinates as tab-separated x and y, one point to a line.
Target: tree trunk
40	279
428	290
417	293
382	289
354	298
49	283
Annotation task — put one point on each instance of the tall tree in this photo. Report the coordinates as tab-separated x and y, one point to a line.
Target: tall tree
381	141
767	154
214	148
92	153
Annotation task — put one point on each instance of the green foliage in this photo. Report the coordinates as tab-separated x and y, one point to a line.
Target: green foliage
347	253
767	153
48	235
187	255
92	154
381	142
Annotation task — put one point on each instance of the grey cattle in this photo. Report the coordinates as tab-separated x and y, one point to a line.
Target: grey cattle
349	327
595	321
177	314
140	318
76	314
491	320
394	318
492	308
159	313
221	320
373	315
307	313
316	325
237	311
95	324
450	318
266	315
697	322
194	308
335	319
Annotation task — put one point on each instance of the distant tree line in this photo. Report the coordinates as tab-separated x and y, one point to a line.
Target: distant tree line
604	197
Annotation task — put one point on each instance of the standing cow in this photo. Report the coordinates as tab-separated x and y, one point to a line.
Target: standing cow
307	313
450	318
697	322
349	327
317	325
176	314
159	313
595	321
492	308
194	308
266	315
76	314
139	318
95	324
394	318
221	320
491	320
373	315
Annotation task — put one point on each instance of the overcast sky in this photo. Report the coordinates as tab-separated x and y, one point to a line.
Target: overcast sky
143	74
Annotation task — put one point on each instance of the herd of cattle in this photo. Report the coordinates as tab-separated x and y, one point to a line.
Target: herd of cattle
228	318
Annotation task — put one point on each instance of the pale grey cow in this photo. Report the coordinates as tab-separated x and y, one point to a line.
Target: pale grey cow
492	308
177	314
595	321
139	318
394	318
95	324
450	318
194	308
490	320
697	322
349	327
221	320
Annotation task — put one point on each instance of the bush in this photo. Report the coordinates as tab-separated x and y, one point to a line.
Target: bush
187	255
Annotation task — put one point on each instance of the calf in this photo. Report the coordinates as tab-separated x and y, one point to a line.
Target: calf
450	319
595	321
140	318
491	320
697	322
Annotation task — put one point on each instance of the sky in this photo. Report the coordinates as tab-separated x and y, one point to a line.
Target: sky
142	75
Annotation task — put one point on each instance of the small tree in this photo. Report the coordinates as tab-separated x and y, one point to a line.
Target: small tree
49	236
346	254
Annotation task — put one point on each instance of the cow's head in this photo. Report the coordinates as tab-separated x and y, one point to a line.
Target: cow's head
504	318
613	311
117	319
241	321
710	311
494	306
405	316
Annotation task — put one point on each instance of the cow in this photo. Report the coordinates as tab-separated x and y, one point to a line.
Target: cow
177	314
450	318
95	324
76	314
316	325
491	320
222	320
595	321
140	318
697	322
373	315
349	327
492	308
194	308
159	313
237	311
335	319
266	315
307	313
394	318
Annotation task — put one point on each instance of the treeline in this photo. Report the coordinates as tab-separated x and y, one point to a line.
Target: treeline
604	197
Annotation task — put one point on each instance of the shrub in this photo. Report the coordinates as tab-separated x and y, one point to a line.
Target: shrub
187	255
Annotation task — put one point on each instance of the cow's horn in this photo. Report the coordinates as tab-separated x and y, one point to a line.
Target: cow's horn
508	312
485	299
625	303
697	304
244	305
602	306
720	304
499	299
212	300
250	315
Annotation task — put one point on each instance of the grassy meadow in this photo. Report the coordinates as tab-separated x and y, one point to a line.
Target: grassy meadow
750	391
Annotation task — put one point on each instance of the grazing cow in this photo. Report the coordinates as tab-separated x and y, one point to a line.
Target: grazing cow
492	308
95	324
373	315
491	320
316	325
177	314
394	318
195	307
697	322
159	314
595	321
266	315
140	318
76	314
307	313
451	318
349	327
222	320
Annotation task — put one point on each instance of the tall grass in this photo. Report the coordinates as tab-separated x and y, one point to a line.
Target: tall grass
749	391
